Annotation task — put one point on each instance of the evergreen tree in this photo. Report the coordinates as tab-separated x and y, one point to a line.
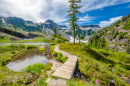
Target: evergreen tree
55	31
128	46
79	37
14	27
41	30
72	14
116	24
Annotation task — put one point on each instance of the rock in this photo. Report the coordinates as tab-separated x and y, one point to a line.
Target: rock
56	82
15	38
44	53
112	82
121	48
112	46
14	33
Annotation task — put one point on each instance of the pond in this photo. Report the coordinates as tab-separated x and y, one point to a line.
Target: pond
27	43
30	57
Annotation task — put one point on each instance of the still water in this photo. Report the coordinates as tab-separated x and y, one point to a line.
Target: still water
30	57
27	43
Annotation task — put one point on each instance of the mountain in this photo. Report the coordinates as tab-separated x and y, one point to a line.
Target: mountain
49	24
88	27
86	31
21	24
116	36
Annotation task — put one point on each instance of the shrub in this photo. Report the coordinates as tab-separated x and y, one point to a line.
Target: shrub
31	47
42	49
122	34
61	58
115	34
42	82
35	68
48	66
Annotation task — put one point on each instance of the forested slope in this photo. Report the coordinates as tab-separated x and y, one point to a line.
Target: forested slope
116	36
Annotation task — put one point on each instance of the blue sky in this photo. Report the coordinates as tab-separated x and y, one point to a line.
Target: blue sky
101	12
106	13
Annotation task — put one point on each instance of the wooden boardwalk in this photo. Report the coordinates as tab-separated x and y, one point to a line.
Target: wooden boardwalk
67	69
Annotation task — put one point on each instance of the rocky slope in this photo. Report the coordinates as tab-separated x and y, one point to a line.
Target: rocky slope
116	35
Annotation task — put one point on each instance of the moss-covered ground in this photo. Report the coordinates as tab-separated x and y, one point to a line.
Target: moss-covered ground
38	39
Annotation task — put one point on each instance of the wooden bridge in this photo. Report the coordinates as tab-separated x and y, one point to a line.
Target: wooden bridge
67	69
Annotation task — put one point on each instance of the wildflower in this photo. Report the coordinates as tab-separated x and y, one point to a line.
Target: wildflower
97	81
94	75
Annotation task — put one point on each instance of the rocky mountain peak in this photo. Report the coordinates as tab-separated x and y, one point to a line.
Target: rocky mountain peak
48	22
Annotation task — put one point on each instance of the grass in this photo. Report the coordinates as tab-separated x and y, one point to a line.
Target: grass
122	34
7	52
31	47
56	39
118	57
59	55
48	66
8	77
38	39
36	68
42	49
61	58
5	39
78	82
41	82
94	62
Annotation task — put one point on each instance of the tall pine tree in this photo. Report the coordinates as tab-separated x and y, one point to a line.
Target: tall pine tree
72	14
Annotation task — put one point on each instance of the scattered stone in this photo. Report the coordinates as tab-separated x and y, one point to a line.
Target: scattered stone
44	53
112	46
56	82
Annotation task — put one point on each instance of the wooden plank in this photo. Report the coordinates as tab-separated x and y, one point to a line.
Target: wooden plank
67	69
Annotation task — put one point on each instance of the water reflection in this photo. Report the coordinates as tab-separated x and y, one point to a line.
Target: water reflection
30	57
28	43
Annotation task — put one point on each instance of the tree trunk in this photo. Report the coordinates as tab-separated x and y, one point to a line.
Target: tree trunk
74	35
79	37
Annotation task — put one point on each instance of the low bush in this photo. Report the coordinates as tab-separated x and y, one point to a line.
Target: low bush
31	47
42	49
35	68
41	82
122	34
77	82
61	58
48	66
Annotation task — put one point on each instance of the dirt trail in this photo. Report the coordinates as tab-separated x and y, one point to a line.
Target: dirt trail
65	71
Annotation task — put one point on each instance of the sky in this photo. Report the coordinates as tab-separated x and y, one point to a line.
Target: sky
101	12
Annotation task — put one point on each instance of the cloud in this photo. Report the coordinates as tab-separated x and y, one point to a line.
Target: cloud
85	19
41	10
98	4
108	23
35	10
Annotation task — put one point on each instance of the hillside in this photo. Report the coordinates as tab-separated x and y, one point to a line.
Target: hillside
23	25
116	36
8	35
